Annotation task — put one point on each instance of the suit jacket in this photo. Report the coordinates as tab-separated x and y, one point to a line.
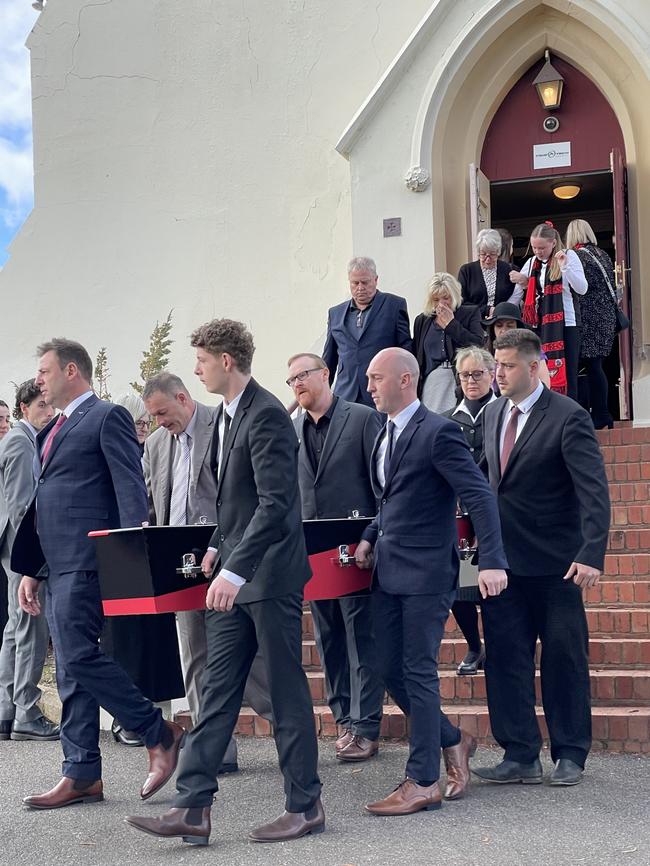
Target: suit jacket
17	481
92	480
553	496
465	329
474	289
348	355
259	532
342	482
414	533
158	461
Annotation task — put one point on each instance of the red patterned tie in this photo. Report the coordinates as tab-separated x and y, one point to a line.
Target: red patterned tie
510	437
60	421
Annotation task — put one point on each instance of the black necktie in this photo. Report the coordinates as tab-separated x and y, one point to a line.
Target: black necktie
390	432
220	446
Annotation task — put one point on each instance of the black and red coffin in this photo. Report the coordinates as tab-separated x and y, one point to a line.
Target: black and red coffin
138	567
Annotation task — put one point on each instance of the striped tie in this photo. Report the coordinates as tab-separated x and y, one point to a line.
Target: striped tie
180	483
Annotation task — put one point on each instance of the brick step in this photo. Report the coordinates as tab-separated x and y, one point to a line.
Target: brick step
608	686
614	652
622	434
630	492
626	472
615	729
630	516
618	592
627	566
636	452
629	540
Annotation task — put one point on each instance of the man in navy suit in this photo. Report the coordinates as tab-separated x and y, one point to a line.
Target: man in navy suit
359	328
90	478
420	465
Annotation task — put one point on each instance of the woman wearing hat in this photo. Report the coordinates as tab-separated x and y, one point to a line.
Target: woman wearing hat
505	317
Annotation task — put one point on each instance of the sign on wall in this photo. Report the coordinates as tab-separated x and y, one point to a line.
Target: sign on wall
552	155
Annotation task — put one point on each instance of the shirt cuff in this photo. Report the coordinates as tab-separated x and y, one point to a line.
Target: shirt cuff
213	549
231	577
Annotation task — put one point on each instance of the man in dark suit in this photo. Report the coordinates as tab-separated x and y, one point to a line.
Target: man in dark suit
90	478
357	329
25	637
546	468
185	492
255	599
336	440
420	465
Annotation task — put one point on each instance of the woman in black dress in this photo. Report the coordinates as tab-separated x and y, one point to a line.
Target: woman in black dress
598	312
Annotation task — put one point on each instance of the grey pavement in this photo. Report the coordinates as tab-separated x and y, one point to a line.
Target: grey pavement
601	822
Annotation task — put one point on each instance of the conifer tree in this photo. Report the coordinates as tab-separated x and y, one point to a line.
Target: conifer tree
154	359
102	374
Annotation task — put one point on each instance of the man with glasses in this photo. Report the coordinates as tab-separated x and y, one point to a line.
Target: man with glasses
359	328
336	440
486	282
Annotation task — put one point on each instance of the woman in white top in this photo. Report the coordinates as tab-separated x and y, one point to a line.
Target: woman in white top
547	285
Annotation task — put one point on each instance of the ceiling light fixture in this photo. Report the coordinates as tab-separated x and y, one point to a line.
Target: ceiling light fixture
566	191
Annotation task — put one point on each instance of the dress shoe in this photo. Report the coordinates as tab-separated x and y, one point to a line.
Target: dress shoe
5	729
291	825
511	771
344	740
566	772
40	729
66	793
192	825
228	767
126	738
407	798
457	766
358	749
471	664
163	760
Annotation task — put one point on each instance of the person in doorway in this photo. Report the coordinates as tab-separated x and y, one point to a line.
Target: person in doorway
507	317
598	312
445	326
486	282
548	285
507	247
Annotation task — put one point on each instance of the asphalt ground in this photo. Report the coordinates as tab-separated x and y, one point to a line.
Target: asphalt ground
603	821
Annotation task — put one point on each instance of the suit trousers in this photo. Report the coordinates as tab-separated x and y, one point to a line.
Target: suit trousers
275	627
355	693
22	655
551	609
88	679
411	628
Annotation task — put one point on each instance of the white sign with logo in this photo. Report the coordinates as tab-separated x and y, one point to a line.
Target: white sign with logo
552	155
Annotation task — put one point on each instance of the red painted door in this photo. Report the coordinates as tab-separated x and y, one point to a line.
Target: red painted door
622	271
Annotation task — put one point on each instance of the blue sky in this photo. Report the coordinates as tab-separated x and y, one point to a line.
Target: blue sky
16	166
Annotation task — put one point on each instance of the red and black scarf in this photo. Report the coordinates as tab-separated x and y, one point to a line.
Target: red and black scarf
544	312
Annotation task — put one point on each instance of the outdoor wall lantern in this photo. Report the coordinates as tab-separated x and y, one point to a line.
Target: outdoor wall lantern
549	85
566	191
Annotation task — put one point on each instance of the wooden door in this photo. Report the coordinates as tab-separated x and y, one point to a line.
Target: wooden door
622	271
479	204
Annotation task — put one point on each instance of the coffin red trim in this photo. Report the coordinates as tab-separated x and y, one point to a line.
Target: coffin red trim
96	533
192	598
330	580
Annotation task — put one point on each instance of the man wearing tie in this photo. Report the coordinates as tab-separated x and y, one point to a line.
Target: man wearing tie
420	465
90	478
254	601
545	466
182	489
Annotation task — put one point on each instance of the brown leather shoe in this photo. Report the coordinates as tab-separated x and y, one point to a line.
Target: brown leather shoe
192	825
163	761
407	798
344	740
358	749
457	765
66	793
291	825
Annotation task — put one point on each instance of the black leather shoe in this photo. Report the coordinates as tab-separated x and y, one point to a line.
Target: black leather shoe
225	768
126	738
471	664
566	772
511	771
5	729
39	729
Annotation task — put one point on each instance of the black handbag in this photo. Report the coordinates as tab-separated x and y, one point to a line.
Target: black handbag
622	321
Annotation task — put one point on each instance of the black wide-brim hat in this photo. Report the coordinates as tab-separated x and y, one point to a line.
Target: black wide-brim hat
505	310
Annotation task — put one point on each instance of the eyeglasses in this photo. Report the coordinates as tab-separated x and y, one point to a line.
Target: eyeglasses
484	256
142	424
474	375
300	377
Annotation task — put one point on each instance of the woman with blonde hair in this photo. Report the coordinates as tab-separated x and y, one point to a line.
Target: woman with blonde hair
548	284
444	327
598	311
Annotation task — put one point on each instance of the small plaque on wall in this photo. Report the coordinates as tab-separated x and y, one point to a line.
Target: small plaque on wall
393	227
553	155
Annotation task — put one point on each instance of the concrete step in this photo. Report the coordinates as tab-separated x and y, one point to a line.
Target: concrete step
615	729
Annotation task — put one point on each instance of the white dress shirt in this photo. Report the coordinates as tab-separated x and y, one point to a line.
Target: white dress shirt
76	403
400	421
524	408
573	277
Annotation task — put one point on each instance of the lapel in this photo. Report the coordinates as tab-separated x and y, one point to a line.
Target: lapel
377	304
403	442
203	429
242	409
78	414
338	421
537	414
303	458
376	486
